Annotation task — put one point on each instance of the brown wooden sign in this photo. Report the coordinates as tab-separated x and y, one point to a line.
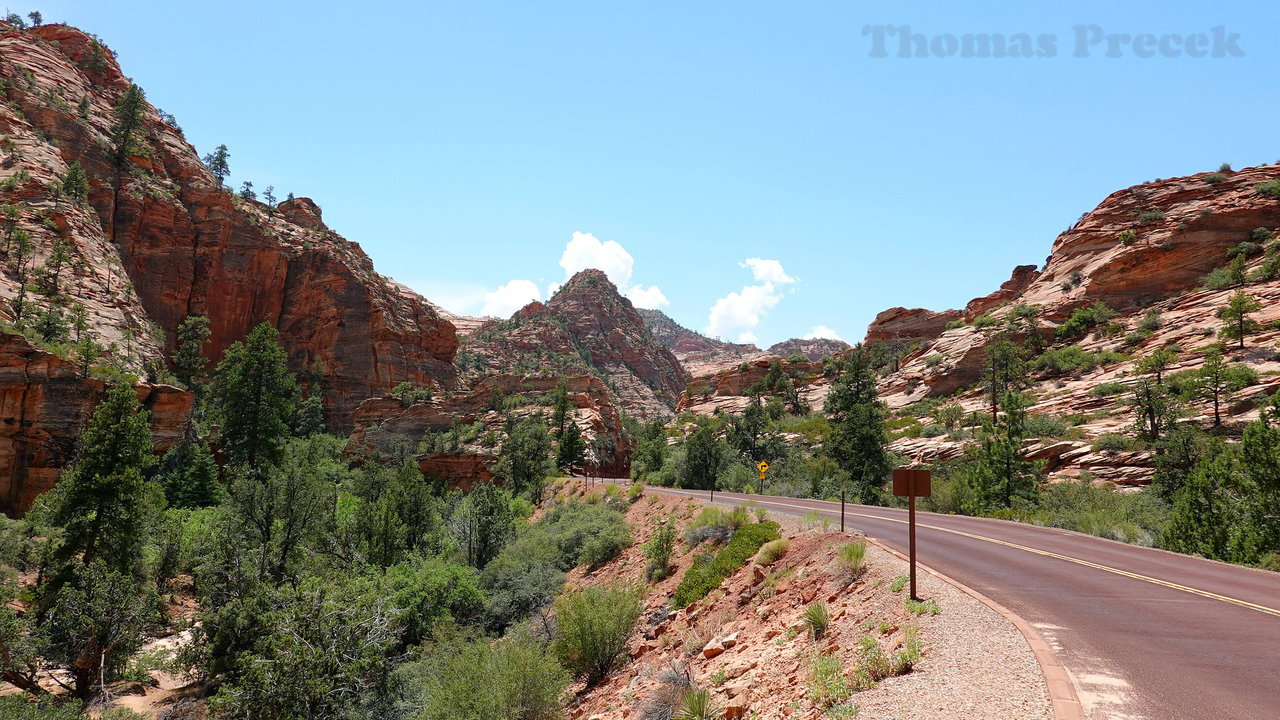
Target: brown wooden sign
910	482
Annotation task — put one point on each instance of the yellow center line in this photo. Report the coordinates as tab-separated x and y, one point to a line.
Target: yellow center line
1046	553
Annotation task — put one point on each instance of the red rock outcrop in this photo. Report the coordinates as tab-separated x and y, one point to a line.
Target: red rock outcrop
698	354
586	327
44	406
162	239
813	348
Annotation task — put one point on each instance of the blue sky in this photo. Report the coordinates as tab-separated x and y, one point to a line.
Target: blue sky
750	164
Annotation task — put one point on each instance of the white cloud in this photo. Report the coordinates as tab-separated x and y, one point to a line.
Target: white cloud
822	332
650	297
459	298
738	313
509	298
767	271
585	251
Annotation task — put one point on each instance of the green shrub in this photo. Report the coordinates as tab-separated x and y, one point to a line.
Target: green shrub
816	618
1074	359
635	491
1107	389
1269	189
23	707
702	578
953	324
1084	319
658	550
592	628
510	678
1214	178
1261	235
1150	216
1245	249
922	607
828	686
1114	442
874	664
1045	426
772	551
1128	237
985	321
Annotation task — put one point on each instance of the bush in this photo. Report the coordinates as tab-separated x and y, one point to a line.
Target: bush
772	551
922	607
1074	359
658	550
1107	389
816	618
1045	426
23	707
1261	235
1128	237
711	523
699	705
874	664
592	628
985	321
635	491
1084	319
1150	216
827	683
1113	442
702	578
1269	189
851	559
510	678
1245	249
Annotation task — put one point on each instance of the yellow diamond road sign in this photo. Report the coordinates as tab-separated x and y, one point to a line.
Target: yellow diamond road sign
763	466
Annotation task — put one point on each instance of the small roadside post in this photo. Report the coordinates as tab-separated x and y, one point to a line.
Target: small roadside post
841	509
912	483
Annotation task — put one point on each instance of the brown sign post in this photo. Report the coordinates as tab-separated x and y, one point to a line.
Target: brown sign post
912	483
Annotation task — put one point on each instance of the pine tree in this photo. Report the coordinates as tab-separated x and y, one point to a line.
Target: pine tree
857	440
189	361
103	503
1000	471
75	184
572	450
1220	380
560	407
1202	519
1237	323
246	191
309	418
217	163
269	197
1004	370
526	458
1159	361
253	400
189	476
129	124
1156	409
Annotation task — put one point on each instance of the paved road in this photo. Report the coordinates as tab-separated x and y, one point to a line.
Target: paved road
1145	633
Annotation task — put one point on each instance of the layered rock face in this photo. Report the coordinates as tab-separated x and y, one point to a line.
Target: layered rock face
727	390
586	327
812	348
698	354
44	406
385	425
1143	250
160	239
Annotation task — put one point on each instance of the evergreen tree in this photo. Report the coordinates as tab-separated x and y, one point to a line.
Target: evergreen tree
269	197
857	440
129	126
1220	380
1202	519
1003	370
749	434
246	191
36	18
1235	316
572	450
703	457
75	184
253	400
189	476
999	471
217	163
94	624
650	449
103	503
309	418
526	459
560	407
189	361
1158	361
59	257
1156	409
483	524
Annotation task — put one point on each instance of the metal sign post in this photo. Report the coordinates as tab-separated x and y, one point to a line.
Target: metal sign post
912	483
762	467
841	509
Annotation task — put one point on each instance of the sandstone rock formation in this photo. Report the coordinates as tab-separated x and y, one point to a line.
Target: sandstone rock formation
44	406
698	354
586	327
160	239
812	348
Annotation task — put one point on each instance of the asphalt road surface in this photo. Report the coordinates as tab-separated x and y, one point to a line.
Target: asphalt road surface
1145	633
